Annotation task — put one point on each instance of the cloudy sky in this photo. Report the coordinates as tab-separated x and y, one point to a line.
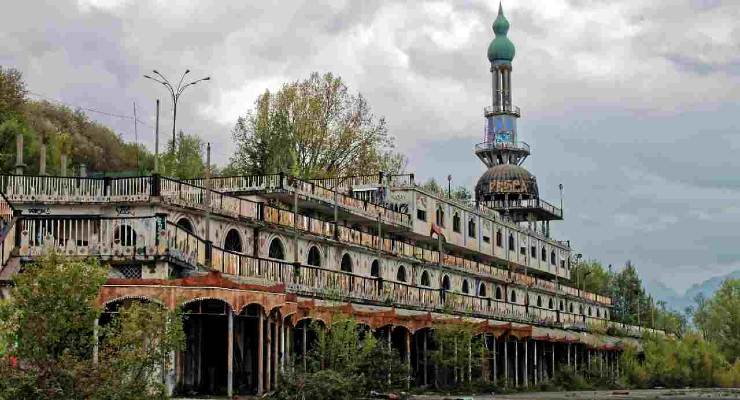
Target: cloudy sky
631	105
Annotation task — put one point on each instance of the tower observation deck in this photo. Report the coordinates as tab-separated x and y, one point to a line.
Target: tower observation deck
507	186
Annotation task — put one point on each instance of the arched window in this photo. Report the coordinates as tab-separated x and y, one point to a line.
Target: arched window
401	274
580	309
471	228
482	290
445	282
233	241
314	256
440	217
375	269
465	286
513	296
425	278
276	249
512	244
598	313
125	235
562	307
498	293
346	263
499	239
539	301
456	222
533	252
570	309
552	257
185	224
589	311
549	304
544	254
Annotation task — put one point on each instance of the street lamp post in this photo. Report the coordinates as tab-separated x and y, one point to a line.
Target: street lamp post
175	92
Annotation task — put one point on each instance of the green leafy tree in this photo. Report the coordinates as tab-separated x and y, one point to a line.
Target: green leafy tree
456	353
346	362
48	327
719	319
12	93
313	128
185	159
592	276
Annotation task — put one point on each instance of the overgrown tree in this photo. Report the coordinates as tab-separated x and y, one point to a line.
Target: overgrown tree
47	338
719	319
186	159
313	128
12	93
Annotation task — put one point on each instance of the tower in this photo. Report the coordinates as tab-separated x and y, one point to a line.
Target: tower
507	186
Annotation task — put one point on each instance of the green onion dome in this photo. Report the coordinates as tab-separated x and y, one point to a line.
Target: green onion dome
501	48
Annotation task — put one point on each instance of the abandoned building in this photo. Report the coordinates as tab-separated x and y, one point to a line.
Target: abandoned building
255	259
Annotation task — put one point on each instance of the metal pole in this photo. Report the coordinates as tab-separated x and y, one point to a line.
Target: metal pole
156	142
136	139
174	120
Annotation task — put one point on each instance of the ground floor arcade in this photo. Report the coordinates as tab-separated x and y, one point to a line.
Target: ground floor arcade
240	338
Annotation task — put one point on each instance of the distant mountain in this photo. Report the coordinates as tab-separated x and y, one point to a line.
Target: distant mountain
679	302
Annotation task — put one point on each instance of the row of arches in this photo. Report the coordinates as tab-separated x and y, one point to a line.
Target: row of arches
233	242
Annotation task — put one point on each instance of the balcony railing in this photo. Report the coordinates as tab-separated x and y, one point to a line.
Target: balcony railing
524	204
518	146
502	108
310	189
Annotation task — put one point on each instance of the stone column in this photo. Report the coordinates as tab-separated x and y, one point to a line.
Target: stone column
408	358
526	363
516	363
63	162
19	166
506	363
42	158
304	347
268	358
495	361
230	357
83	170
426	378
275	351
553	361
96	341
260	354
536	371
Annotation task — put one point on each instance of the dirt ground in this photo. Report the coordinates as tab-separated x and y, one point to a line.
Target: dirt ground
657	394
660	394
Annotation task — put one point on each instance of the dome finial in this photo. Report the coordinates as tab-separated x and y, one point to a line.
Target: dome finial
501	49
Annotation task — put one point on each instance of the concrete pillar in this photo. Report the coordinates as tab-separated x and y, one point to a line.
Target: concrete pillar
42	158
526	366
426	358
275	351
506	363
260	354
96	341
304	346
495	361
575	357
516	363
63	164
268	358
536	371
19	165
282	346
230	356
408	358
568	349
470	360
83	170
553	361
